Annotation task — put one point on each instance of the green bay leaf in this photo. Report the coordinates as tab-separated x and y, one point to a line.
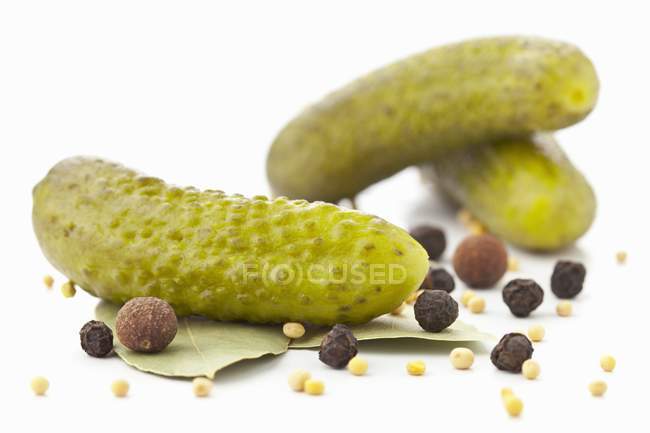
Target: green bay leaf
394	327
201	347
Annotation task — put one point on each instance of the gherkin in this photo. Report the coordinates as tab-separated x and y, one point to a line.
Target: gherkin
524	190
119	235
416	110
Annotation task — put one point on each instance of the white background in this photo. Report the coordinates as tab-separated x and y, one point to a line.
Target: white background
194	92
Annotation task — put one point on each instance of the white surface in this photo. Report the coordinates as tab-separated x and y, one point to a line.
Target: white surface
194	93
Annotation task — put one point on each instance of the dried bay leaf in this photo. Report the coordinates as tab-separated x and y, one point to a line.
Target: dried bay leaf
201	347
394	327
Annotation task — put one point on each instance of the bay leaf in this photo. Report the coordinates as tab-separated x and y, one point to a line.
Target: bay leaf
201	347
394	327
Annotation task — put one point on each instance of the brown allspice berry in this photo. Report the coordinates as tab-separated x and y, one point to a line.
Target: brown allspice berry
146	324
480	261
432	239
511	351
338	347
96	339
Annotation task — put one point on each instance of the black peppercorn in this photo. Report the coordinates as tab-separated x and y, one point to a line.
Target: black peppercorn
438	279
522	296
435	310
338	347
567	279
511	352
96	339
432	239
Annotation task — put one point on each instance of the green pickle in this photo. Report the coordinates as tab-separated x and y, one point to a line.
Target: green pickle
420	108
525	191
119	235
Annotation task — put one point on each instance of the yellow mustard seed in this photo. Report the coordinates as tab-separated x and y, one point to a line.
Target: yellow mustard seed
297	380
398	311
464	216
68	289
314	387
536	333
607	363
416	368
40	385
514	406
564	308
413	297
461	358
48	281
358	366
120	388
597	388
513	264
466	296
293	330
202	386
476	305
506	392
476	228
621	257
530	369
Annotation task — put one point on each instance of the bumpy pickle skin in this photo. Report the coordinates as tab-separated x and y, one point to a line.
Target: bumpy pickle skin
525	191
118	235
417	109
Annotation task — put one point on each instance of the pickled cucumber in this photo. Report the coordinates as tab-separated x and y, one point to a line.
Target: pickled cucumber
418	109
525	191
118	235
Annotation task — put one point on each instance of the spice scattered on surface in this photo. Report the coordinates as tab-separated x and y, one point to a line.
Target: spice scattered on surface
435	310
598	388
438	279
68	289
513	264
120	388
40	385
293	330
522	296
48	281
202	386
564	308
416	368
338	347
432	239
146	324
621	257
506	391
358	366
398	311
514	406
511	352
461	358
96	339
530	369
413	297
536	333
607	363
567	279
466	296
297	380
476	305
480	261
314	387
476	228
